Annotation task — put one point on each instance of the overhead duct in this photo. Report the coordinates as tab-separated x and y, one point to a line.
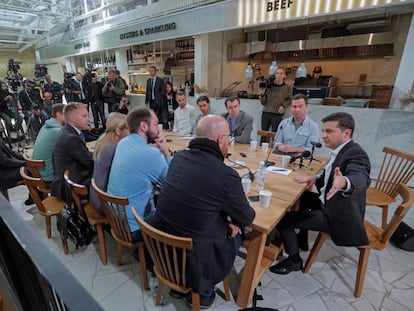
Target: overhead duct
241	50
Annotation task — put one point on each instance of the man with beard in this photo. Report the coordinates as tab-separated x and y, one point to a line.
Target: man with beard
140	162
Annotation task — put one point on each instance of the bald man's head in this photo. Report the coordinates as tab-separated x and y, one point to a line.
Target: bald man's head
215	128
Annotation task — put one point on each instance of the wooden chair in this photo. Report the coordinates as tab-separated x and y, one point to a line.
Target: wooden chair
115	212
397	168
169	254
378	238
48	207
267	136
95	218
33	167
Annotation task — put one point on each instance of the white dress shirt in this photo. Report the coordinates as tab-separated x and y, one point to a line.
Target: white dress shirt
184	119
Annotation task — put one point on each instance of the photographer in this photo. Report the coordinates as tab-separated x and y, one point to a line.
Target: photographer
5	99
95	98
275	97
29	97
71	89
113	90
54	88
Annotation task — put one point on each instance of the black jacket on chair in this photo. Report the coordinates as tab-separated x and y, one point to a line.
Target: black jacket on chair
10	164
70	153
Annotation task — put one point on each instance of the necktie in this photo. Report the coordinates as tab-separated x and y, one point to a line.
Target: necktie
82	136
152	88
328	169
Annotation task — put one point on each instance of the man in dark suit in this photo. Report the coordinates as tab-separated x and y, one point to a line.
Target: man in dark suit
339	207
201	207
240	122
154	96
70	151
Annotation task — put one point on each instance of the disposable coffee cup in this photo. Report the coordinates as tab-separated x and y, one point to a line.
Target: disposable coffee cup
265	197
285	161
246	183
160	126
253	145
265	147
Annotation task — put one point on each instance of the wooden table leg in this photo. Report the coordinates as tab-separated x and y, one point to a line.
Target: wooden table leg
251	272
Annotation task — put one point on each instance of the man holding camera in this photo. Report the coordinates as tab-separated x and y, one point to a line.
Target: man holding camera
53	87
71	89
275	98
113	89
95	100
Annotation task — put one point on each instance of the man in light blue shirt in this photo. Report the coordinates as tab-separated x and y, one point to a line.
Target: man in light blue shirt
140	162
296	133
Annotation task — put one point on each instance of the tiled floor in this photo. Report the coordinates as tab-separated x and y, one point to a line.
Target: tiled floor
389	283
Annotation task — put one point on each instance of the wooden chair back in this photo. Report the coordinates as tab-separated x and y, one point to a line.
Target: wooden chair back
35	186
77	190
397	168
407	197
267	135
115	211
169	254
33	167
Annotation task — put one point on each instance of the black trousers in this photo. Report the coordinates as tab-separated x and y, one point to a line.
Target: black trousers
270	121
98	111
310	216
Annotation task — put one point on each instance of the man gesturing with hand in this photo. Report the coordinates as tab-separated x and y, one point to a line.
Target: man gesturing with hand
339	206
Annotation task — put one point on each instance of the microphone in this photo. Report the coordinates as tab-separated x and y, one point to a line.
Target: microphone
301	156
249	175
277	136
268	163
304	154
316	144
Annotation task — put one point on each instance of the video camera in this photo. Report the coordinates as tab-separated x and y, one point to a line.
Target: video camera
13	65
40	70
266	83
68	81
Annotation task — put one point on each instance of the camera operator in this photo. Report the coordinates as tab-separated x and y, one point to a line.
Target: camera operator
113	89
275	96
95	98
53	87
71	89
29	97
5	99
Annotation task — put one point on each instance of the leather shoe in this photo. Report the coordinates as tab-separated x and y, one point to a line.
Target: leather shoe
178	295
205	301
286	266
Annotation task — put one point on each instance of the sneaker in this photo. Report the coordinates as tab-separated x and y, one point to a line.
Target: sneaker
205	302
29	201
178	295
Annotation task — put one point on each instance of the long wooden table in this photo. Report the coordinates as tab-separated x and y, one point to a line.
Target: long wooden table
285	194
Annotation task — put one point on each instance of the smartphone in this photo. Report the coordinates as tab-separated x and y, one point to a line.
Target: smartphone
254	198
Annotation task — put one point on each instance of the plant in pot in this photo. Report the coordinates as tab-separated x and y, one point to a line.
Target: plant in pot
407	101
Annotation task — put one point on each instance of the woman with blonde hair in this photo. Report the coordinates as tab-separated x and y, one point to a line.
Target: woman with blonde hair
116	129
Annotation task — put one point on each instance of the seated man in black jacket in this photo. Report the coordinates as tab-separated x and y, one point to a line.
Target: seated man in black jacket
199	197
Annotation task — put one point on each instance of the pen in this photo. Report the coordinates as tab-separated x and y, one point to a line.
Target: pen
278	170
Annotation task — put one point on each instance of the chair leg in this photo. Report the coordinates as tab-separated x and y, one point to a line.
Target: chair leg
384	217
362	270
314	251
159	293
65	245
48	227
102	245
119	255
195	299
226	286
142	263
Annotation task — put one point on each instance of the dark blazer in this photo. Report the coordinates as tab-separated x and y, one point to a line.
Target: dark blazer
10	164
346	211
243	128
70	153
158	93
200	191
